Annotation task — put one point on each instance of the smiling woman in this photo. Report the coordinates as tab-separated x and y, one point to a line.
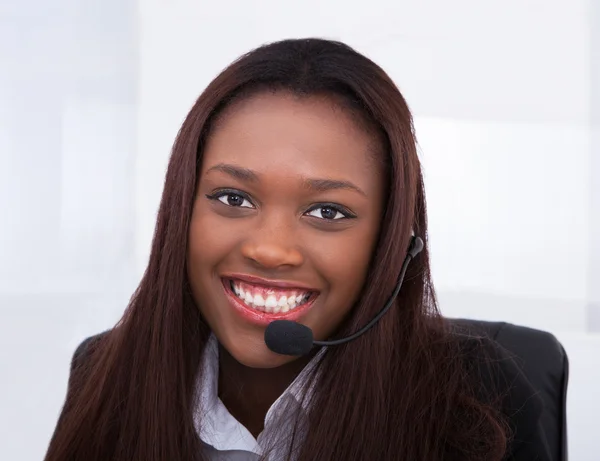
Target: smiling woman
287	212
293	192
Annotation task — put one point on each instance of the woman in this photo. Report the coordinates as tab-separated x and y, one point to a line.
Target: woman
292	192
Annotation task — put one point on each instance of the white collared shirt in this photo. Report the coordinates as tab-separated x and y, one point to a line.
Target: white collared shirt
225	438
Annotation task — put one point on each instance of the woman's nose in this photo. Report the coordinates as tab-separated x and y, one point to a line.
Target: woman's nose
272	248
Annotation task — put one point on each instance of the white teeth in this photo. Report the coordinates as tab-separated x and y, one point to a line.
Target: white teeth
259	301
272	303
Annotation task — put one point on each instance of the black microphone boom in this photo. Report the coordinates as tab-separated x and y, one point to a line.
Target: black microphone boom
286	337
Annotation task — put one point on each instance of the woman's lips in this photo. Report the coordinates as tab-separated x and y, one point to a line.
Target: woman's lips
262	303
261	282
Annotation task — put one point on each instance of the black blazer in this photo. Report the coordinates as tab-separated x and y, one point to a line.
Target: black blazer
495	369
544	361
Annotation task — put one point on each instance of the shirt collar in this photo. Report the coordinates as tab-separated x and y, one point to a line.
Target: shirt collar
218	428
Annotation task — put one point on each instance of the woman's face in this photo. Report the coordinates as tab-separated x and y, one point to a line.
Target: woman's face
285	220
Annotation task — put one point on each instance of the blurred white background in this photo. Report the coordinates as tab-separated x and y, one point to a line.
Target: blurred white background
506	98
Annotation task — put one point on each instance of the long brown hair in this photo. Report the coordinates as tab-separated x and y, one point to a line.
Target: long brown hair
399	392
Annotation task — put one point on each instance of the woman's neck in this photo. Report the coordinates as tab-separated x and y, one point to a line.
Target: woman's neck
248	393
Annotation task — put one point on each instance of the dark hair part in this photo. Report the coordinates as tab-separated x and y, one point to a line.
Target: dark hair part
399	392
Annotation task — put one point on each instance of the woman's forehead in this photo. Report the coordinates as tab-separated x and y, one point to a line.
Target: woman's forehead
283	134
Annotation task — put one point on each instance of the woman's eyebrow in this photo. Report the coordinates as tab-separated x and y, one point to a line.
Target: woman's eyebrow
243	174
316	184
322	185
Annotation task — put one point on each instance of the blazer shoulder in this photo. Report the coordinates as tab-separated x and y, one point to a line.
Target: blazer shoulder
84	349
78	371
501	382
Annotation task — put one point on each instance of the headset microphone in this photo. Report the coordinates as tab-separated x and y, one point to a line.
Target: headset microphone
291	338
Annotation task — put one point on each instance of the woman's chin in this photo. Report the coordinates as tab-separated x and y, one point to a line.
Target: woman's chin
256	354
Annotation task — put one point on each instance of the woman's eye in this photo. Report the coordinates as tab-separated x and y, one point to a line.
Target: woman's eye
329	213
234	200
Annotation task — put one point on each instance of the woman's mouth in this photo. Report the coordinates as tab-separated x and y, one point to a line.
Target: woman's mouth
269	299
264	303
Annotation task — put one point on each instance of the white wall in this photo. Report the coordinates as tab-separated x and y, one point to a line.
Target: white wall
594	260
93	92
509	209
68	79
